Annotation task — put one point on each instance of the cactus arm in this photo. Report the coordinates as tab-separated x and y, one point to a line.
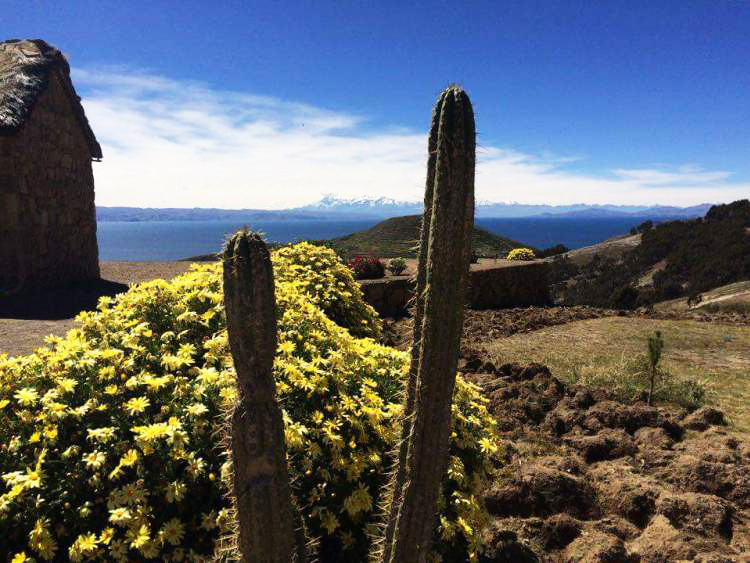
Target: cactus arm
261	487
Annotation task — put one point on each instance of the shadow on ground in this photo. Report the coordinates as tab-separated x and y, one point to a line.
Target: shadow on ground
58	303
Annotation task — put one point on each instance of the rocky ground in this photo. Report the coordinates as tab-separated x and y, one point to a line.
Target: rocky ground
590	479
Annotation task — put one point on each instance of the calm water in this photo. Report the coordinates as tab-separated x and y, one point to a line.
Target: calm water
174	240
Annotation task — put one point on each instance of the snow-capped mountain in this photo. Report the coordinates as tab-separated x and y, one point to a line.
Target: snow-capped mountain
384	207
373	207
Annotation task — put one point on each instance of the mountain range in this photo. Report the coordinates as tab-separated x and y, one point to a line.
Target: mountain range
331	207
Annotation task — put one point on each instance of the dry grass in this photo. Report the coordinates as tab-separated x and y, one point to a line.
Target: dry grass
718	354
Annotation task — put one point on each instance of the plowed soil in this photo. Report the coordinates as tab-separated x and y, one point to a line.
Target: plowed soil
588	478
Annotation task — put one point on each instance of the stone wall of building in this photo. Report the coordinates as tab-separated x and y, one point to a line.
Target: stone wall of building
47	213
516	284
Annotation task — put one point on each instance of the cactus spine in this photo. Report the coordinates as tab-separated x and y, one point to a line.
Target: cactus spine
444	256
262	492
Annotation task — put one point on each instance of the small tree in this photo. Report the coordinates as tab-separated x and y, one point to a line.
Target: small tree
396	266
655	346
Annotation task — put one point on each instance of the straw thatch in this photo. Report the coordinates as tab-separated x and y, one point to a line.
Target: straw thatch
25	70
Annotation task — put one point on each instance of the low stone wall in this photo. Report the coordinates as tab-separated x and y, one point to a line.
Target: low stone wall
507	285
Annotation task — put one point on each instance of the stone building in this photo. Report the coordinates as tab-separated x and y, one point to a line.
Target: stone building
47	213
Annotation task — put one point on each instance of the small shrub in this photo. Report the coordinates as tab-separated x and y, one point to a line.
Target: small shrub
367	268
474	257
521	254
397	266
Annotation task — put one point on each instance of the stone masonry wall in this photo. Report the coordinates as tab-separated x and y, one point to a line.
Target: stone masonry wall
520	284
47	214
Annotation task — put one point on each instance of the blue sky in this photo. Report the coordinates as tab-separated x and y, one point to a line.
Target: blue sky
273	104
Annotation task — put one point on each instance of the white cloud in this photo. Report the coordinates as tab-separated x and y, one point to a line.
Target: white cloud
170	143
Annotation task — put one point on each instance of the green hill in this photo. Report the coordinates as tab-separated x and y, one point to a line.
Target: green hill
398	236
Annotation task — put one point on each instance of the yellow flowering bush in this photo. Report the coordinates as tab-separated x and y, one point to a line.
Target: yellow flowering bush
521	254
110	442
318	273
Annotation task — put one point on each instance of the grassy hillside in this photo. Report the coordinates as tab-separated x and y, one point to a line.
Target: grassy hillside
398	236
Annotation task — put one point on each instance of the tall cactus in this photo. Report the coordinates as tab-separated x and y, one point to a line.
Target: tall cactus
397	484
262	492
444	255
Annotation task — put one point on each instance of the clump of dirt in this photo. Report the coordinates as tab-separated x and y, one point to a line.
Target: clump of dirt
589	478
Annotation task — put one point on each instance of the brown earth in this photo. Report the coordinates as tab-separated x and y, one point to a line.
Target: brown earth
26	319
588	478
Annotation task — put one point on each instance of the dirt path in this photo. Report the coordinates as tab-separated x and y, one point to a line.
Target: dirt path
26	320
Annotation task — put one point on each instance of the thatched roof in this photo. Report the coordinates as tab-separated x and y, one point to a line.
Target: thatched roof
25	70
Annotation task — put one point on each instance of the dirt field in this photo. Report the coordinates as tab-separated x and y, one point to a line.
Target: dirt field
26	320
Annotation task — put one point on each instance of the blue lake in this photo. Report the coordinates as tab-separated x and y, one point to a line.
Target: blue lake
174	240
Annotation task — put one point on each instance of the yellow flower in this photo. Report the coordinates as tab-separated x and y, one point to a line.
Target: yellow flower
176	491
95	460
102	435
133	494
26	396
120	516
130	458
138	538
487	445
67	384
84	546
172	532
137	404
20	558
50	432
33	479
106	536
208	521
41	540
197	409
152	431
